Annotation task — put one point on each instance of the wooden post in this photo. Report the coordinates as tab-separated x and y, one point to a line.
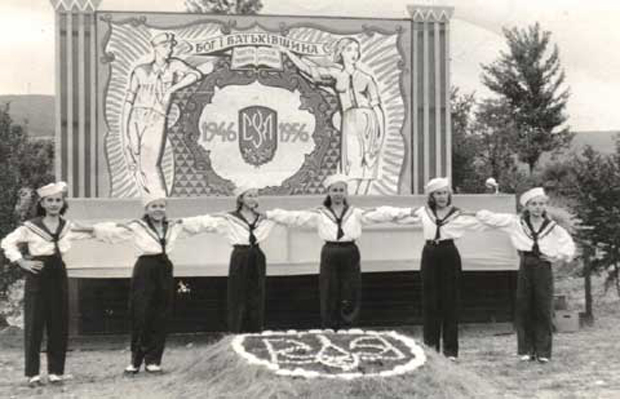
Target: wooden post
588	318
74	307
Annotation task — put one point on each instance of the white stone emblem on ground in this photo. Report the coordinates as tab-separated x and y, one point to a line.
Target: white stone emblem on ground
346	354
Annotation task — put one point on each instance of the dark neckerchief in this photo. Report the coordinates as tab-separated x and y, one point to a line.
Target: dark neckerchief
251	226
54	236
442	221
536	233
161	238
340	232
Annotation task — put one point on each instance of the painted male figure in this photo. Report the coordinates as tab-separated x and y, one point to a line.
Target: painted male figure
145	110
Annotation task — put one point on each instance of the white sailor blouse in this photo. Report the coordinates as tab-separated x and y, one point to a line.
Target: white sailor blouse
40	240
146	239
451	227
237	229
550	240
330	227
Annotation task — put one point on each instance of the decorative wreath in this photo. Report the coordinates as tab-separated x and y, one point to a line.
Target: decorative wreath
345	354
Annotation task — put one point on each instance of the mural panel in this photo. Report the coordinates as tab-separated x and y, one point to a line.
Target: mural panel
195	105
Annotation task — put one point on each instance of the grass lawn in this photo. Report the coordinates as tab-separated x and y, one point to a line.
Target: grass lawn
585	364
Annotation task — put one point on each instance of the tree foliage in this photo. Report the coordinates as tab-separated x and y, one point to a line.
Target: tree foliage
24	164
596	204
529	79
483	137
465	176
224	6
496	129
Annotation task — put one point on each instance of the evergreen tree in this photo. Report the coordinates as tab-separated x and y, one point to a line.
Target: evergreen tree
530	80
596	204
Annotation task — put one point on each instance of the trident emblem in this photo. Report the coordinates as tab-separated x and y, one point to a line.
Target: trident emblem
258	134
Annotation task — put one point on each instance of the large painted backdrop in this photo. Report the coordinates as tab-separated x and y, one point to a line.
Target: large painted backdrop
197	105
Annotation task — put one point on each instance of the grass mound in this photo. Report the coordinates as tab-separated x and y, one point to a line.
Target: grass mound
218	371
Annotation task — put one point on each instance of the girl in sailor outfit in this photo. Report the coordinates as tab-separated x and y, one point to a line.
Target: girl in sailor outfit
152	285
440	269
339	225
245	229
540	242
48	237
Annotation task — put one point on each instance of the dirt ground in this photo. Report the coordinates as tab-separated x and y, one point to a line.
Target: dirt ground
585	364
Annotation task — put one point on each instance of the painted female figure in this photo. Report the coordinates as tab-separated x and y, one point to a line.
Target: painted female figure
362	117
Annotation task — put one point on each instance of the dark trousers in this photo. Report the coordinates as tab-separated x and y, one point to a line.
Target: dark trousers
534	306
441	269
46	306
340	285
246	289
150	306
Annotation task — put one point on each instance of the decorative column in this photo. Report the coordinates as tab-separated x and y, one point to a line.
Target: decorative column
431	124
76	83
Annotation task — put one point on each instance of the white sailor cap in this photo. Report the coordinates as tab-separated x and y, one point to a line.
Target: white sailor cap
153	194
336	178
437	184
52	189
242	188
531	194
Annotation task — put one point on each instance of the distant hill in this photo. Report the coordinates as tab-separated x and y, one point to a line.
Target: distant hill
602	141
36	110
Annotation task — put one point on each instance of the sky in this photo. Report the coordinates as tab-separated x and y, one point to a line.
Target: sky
585	31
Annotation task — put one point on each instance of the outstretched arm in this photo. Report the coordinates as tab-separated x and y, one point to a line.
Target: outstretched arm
112	232
496	220
294	218
298	62
413	217
384	214
80	231
468	221
315	73
200	224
